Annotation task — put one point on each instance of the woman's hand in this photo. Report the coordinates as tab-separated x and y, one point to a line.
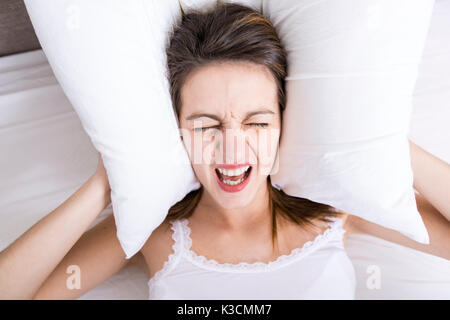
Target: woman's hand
101	175
431	178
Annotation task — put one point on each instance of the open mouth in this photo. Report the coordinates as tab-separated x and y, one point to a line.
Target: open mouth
233	177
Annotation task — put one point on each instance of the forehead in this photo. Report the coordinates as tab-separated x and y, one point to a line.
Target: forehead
235	87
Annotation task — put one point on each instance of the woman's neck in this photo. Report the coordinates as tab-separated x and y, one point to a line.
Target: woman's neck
256	213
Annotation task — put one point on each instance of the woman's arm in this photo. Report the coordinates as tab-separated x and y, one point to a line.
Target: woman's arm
29	260
432	181
437	225
97	256
431	178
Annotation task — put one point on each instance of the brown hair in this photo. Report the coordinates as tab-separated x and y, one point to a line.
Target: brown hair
233	32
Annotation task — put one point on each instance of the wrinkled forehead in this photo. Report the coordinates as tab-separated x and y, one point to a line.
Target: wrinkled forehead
229	89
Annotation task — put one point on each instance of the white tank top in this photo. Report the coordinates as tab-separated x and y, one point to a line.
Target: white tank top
320	269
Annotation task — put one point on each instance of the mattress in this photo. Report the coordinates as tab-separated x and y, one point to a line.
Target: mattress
46	156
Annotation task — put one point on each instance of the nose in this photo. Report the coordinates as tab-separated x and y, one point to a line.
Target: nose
232	148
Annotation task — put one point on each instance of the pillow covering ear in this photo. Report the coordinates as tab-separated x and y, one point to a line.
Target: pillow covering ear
352	66
109	59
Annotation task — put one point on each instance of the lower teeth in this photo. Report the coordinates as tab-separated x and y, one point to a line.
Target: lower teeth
233	183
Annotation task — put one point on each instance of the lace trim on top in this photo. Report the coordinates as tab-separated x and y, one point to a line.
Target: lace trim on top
183	243
334	229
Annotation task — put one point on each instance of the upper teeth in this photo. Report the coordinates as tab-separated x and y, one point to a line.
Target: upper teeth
232	173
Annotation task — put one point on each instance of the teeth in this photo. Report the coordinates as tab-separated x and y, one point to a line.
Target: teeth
233	173
233	183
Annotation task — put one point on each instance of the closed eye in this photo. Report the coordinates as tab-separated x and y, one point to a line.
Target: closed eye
258	124
218	126
206	128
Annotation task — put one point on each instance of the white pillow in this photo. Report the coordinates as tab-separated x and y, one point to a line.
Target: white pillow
109	59
352	69
431	99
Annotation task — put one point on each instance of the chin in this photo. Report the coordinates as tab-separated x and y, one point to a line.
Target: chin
231	206
234	201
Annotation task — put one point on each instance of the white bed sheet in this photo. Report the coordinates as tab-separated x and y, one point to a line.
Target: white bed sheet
45	155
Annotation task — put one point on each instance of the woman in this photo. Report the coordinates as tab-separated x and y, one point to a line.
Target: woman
237	236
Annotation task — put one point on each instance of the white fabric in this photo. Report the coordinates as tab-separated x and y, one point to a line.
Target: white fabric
320	269
431	98
352	70
45	155
386	270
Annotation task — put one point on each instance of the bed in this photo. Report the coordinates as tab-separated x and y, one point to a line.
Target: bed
46	156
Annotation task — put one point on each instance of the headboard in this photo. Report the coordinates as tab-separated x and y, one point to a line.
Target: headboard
16	31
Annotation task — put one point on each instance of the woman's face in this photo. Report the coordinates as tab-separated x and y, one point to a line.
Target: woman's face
230	121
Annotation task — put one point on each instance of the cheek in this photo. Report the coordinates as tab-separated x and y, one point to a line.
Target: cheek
267	150
186	137
209	150
200	171
201	149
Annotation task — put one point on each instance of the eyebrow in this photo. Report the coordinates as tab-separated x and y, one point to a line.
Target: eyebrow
214	117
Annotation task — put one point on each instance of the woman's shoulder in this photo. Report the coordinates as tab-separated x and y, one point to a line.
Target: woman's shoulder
158	246
347	222
345	218
160	235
